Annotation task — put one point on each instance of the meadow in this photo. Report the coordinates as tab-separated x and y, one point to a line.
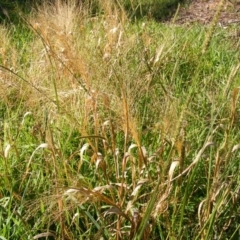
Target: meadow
118	127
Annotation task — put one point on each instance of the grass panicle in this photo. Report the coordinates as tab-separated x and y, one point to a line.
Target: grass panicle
115	128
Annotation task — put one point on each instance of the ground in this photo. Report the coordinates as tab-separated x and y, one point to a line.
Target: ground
203	11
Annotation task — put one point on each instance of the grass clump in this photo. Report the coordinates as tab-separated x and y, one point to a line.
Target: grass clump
115	129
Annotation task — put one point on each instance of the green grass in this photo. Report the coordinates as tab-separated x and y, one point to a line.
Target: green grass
118	129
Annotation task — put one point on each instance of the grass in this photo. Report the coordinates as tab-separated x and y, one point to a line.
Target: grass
118	129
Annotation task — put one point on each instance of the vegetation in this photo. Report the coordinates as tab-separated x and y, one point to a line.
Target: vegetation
117	128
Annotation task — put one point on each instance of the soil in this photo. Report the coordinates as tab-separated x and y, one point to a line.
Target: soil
202	11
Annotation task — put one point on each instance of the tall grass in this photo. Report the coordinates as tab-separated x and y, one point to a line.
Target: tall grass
113	129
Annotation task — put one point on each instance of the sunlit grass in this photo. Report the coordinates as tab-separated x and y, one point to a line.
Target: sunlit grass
117	129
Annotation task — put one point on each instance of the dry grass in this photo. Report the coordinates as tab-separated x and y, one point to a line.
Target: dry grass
113	140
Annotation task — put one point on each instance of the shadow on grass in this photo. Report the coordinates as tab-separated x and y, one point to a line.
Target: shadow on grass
160	10
10	10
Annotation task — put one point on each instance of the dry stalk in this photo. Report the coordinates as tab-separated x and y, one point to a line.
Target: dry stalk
212	26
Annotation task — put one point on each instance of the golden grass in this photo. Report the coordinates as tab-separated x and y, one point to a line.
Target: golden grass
77	75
